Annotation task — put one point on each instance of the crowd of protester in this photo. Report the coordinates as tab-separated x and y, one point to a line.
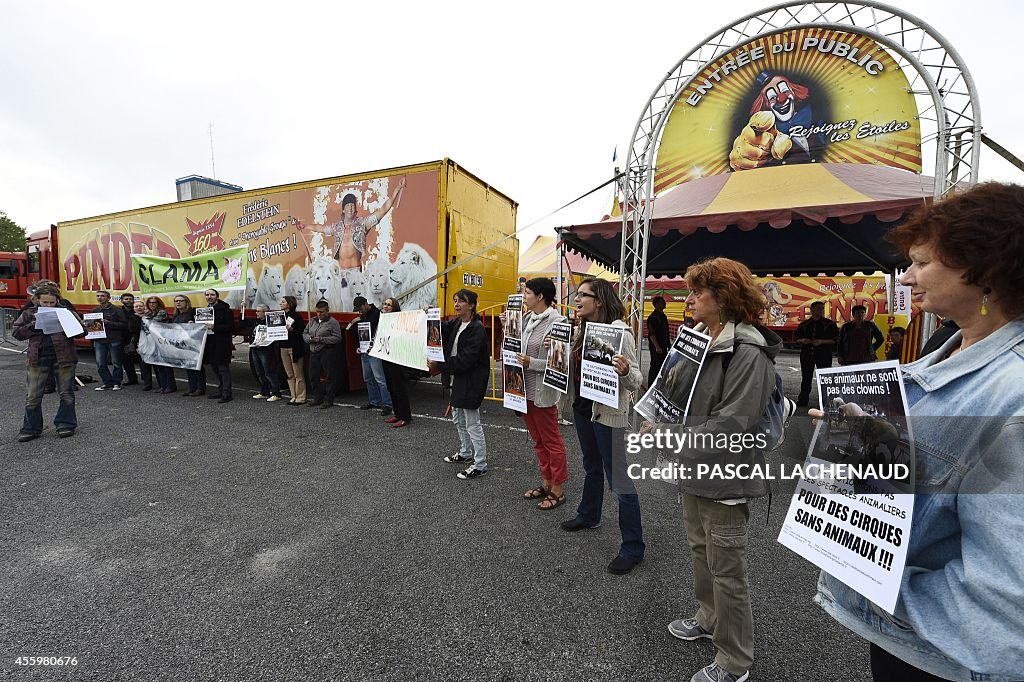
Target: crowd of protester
956	617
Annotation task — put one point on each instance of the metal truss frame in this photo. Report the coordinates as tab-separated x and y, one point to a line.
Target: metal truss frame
949	112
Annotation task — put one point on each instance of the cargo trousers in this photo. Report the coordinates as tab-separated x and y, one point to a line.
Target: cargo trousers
717	535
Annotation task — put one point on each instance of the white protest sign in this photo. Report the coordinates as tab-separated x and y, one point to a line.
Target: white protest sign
513	340
435	349
402	339
857	529
365	332
95	327
556	371
513	382
277	325
598	379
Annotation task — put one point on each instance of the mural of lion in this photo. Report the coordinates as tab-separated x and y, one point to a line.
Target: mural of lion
412	266
270	286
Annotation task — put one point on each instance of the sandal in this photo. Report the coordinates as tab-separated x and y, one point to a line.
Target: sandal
551	502
536	493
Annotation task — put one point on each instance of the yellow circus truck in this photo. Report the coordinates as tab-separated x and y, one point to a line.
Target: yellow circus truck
374	234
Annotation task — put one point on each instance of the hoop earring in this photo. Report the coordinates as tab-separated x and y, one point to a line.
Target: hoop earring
984	300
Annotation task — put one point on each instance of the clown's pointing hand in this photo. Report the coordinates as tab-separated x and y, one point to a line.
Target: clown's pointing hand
759	142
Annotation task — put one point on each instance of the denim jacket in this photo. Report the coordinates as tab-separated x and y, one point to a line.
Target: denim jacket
960	613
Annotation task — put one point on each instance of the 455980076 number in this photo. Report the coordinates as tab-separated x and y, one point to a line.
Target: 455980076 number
46	660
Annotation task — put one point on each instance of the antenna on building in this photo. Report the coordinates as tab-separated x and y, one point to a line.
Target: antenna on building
213	161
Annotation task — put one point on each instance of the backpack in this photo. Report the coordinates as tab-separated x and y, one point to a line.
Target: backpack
777	412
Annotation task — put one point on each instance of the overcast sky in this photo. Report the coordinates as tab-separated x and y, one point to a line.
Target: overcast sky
105	104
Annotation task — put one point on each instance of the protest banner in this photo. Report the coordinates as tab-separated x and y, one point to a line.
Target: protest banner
435	349
365	333
402	339
513	382
514	324
556	371
95	327
277	325
667	401
598	379
857	528
221	270
172	345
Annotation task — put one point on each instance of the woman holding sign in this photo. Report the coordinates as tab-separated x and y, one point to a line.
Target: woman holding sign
394	375
467	359
184	313
601	428
958	614
729	396
293	351
155	312
541	414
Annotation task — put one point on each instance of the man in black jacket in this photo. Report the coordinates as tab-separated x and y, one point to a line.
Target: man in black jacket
859	339
132	323
111	348
817	337
657	338
219	346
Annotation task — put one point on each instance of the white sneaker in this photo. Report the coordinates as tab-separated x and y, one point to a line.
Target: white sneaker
116	388
259	396
273	398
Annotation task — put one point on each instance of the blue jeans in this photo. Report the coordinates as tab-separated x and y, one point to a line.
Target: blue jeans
376	382
66	418
263	363
471	436
109	351
604	458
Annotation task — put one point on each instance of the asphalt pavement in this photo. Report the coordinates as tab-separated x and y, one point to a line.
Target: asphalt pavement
180	539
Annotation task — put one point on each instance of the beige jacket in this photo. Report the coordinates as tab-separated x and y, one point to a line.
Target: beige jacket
544	396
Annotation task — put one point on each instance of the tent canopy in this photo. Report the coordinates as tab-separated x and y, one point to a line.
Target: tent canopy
825	218
541	260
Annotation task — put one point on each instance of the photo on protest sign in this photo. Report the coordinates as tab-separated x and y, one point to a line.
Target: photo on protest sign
204	315
667	401
402	339
95	327
172	345
598	379
556	371
514	324
365	333
859	538
259	337
435	350
513	382
865	420
277	325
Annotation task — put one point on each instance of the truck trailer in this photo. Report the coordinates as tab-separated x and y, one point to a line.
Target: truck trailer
374	234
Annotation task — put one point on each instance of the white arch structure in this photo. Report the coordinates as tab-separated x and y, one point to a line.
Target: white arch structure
949	113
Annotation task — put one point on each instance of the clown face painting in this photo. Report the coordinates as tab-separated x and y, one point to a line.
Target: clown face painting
779	115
